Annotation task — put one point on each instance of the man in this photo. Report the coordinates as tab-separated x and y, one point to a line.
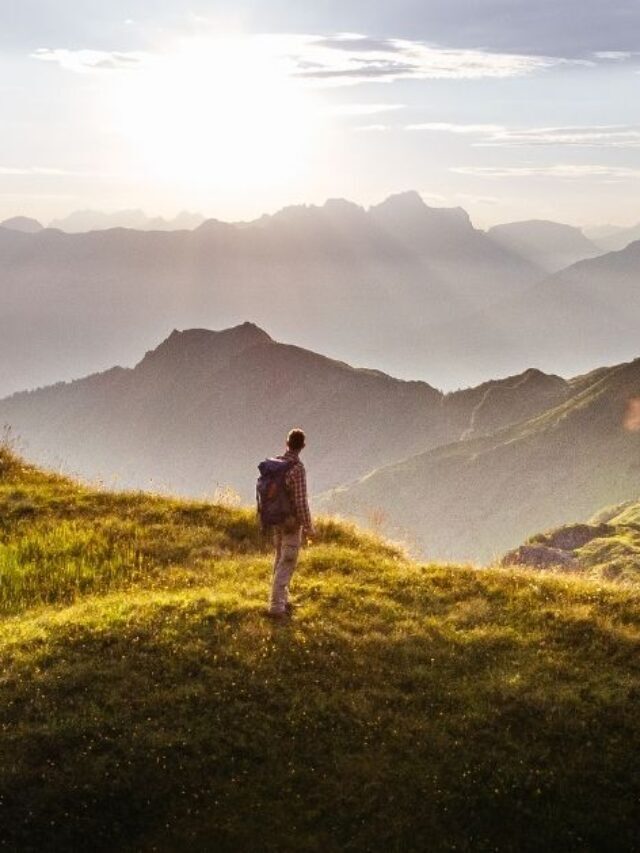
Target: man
288	535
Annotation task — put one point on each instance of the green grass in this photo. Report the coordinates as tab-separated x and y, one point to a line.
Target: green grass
615	557
147	704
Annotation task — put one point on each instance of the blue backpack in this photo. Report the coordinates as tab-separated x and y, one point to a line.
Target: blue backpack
274	504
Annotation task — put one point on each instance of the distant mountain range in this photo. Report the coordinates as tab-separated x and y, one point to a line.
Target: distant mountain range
96	220
415	290
204	407
81	221
361	285
474	499
586	314
613	238
549	245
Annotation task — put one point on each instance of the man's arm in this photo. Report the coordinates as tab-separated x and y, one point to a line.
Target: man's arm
300	499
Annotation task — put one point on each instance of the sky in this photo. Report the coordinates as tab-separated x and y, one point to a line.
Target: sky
508	108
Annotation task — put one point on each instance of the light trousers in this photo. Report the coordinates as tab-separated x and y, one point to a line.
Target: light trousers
287	545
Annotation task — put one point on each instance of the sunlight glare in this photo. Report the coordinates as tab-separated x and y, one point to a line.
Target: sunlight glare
217	113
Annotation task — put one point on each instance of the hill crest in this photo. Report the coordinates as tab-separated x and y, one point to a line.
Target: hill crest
146	703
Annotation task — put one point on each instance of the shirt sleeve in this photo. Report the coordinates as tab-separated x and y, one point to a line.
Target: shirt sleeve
300	498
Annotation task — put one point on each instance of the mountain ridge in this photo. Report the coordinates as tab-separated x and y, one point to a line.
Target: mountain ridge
82	221
450	305
224	397
471	499
24	224
550	245
572	310
331	277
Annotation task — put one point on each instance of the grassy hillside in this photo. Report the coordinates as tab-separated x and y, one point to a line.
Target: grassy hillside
475	499
147	704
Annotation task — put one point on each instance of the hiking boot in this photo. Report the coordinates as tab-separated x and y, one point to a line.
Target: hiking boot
277	616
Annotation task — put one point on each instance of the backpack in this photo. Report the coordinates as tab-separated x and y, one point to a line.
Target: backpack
274	503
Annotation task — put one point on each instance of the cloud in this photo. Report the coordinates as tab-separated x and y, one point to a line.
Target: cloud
362	109
352	58
494	135
357	42
556	171
361	72
45	171
615	55
451	127
599	136
340	60
570	28
86	61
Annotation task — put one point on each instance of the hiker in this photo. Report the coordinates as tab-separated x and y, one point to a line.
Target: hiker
283	506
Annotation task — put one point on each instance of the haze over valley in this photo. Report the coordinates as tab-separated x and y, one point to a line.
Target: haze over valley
464	475
404	287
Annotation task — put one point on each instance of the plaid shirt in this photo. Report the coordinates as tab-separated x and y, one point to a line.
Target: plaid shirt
296	484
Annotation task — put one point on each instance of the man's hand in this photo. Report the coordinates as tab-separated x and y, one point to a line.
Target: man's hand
309	534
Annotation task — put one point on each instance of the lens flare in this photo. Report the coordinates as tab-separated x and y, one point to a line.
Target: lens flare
632	415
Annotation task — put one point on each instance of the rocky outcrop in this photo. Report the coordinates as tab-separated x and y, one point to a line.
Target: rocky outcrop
540	557
572	536
556	550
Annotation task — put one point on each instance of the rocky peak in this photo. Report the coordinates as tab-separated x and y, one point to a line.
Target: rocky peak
407	216
197	348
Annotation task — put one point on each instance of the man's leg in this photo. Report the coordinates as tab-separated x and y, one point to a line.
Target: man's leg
287	551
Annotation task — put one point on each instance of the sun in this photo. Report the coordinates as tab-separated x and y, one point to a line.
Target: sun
217	113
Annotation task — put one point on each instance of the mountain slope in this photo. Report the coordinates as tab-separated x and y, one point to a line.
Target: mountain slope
335	278
204	407
549	245
473	499
619	239
584	315
147	704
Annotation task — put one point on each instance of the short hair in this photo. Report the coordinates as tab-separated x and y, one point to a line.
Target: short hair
296	439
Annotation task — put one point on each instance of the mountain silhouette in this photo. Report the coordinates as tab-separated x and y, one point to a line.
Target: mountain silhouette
414	290
360	285
22	223
95	220
474	499
614	238
567	323
549	245
204	407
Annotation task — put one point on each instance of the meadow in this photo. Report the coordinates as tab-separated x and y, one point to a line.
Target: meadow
147	704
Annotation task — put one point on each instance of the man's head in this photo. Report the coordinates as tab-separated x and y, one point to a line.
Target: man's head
296	440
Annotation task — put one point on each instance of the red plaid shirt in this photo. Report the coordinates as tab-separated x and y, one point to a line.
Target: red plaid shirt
296	484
